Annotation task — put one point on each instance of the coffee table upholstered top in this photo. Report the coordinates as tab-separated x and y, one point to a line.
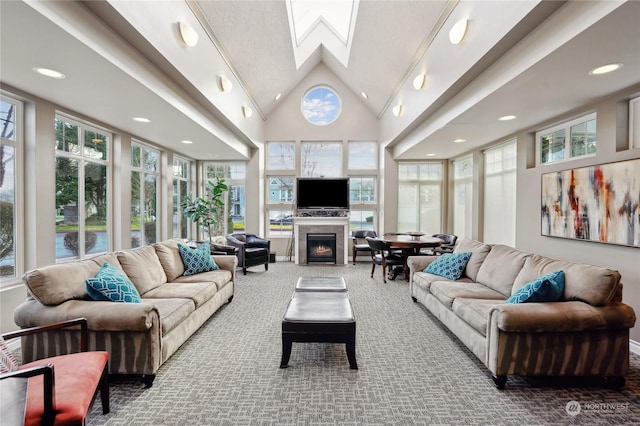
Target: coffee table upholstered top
319	307
321	284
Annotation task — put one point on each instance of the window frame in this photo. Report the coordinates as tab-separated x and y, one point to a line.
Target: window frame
418	182
177	227
231	182
566	127
18	195
83	159
143	171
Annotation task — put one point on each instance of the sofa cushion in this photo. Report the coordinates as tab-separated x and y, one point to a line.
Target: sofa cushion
591	284
200	292
55	284
424	280
447	291
109	258
169	257
449	265
172	311
220	277
197	259
475	312
500	268
112	285
143	268
478	251
547	288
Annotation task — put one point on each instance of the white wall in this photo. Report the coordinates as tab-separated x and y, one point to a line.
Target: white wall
528	236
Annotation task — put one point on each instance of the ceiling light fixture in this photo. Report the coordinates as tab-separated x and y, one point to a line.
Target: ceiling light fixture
187	142
418	82
141	120
507	117
397	110
458	31
246	111
364	95
606	68
188	34
48	72
225	84
430	155
459	140
278	96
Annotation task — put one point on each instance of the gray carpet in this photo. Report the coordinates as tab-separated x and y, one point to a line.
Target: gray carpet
412	371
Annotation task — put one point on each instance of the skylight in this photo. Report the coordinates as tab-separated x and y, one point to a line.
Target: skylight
328	23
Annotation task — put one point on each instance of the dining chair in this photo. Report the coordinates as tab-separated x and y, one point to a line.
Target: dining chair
62	389
359	241
448	243
382	255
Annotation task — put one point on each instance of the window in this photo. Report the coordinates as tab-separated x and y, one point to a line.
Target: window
500	194
231	219
634	123
362	155
463	197
321	159
362	190
321	105
420	197
10	195
281	156
82	188
280	189
145	181
181	190
362	219
576	138
280	222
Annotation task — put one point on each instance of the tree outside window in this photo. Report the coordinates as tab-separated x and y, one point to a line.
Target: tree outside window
144	191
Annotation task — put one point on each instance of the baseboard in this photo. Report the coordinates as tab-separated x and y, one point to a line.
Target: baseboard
634	347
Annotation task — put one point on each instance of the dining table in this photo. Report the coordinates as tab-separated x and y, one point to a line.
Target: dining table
410	244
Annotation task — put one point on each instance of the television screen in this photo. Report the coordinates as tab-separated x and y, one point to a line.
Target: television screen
322	193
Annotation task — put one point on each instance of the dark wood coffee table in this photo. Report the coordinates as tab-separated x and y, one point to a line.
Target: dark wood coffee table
319	316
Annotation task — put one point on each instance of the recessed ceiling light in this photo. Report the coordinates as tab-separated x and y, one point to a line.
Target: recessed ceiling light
49	72
364	95
458	31
507	117
278	96
459	140
418	82
187	142
141	119
188	34
605	69
431	155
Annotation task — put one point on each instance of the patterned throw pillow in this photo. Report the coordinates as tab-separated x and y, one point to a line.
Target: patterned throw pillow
449	265
197	260
112	285
547	288
7	360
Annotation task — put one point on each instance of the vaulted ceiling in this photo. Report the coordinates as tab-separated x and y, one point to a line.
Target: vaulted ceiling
123	59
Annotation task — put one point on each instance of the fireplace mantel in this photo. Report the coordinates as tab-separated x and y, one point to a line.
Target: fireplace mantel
303	225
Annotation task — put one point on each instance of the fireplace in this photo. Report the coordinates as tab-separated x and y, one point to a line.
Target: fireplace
321	248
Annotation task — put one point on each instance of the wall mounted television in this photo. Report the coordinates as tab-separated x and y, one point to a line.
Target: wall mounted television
322	194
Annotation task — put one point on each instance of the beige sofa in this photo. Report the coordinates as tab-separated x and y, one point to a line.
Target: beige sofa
139	337
584	334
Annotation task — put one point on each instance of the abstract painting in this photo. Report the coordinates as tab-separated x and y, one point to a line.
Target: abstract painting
596	203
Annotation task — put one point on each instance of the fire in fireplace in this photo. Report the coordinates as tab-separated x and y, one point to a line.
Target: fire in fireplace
321	248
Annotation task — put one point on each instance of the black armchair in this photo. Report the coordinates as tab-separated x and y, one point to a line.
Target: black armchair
448	243
360	243
252	250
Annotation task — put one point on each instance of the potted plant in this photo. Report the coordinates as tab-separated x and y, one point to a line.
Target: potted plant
204	210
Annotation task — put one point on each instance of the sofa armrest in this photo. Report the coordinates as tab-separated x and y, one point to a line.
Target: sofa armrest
561	317
418	263
101	316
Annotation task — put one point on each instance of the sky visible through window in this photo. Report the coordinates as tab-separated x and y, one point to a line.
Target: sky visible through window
321	106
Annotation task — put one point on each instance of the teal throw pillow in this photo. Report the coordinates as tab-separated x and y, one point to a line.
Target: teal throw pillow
449	265
547	288
112	285
197	260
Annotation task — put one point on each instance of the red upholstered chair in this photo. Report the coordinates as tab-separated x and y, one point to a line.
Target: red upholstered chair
61	389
